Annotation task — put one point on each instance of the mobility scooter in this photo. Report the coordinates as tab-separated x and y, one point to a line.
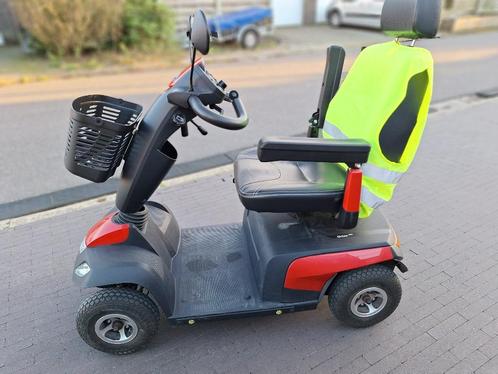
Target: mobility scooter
310	228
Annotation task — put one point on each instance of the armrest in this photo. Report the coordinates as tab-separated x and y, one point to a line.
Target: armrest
348	151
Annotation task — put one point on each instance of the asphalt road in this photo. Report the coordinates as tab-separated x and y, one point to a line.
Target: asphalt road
280	93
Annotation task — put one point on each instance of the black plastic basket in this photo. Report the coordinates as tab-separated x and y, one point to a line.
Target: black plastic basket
100	130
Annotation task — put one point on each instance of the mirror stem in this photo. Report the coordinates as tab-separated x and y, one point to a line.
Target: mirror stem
192	70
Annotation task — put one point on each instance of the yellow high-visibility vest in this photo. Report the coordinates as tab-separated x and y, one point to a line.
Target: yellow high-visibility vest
384	100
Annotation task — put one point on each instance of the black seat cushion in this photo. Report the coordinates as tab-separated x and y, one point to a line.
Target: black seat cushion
288	186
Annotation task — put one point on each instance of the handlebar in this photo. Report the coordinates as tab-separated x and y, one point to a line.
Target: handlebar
224	122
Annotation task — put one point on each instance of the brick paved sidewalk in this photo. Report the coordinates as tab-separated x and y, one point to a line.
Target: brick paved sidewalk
445	213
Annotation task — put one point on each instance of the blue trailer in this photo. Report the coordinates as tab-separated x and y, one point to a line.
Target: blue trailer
246	27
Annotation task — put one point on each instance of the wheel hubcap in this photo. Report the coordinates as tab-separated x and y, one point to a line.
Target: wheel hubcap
368	302
251	40
116	329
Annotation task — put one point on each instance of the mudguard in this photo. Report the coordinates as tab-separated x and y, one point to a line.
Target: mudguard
125	264
122	254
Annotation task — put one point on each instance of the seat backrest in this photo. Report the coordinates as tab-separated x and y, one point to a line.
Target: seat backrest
385	98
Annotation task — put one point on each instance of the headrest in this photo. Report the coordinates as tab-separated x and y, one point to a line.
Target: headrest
412	19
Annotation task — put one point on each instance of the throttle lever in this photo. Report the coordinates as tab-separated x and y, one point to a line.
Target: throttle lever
217	108
201	129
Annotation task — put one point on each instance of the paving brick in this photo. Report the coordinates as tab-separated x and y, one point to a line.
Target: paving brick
424	311
401	355
431	353
471	344
492	311
446	326
355	367
488	367
450	309
384	349
471	326
452	293
428	322
490	348
491	328
470	364
443	363
429	283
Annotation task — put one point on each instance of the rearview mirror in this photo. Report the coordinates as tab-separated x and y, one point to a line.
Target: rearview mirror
199	32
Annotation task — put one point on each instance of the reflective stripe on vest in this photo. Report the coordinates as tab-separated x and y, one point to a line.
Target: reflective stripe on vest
369	170
380	174
370	199
333	131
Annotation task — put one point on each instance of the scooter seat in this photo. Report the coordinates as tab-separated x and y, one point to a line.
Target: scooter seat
288	186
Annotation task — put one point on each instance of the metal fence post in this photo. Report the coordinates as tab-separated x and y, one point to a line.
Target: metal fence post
478	6
218	7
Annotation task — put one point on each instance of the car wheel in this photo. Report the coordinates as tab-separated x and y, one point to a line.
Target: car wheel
335	19
117	320
365	297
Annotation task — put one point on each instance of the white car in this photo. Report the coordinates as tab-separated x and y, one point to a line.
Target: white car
355	13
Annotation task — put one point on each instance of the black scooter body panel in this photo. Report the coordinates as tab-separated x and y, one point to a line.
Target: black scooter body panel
277	239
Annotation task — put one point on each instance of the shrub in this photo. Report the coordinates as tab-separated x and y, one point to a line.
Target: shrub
147	25
64	27
69	27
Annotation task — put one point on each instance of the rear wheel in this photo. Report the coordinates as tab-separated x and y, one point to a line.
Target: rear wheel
335	19
117	320
365	297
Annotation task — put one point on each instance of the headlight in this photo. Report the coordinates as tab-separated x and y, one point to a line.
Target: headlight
82	246
393	238
82	270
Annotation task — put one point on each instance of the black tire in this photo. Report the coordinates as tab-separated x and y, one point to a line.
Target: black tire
334	19
250	39
128	303
372	282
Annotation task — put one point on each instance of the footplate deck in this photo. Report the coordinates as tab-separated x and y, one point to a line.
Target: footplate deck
214	277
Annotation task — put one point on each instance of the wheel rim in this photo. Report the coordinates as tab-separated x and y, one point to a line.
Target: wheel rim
368	302
251	40
116	329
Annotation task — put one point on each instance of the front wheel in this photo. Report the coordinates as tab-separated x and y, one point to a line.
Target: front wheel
365	297
117	320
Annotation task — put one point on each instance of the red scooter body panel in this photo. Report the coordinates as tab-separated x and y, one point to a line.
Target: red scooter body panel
352	191
312	273
106	232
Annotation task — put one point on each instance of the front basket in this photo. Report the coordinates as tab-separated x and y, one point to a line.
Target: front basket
100	130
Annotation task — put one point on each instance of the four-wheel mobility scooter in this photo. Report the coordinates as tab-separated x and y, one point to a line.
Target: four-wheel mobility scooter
311	227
